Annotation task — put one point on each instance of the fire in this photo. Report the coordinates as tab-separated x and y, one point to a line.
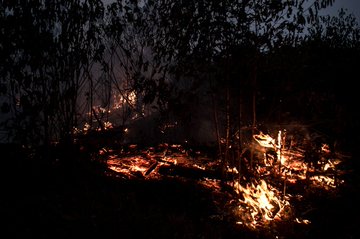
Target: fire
265	140
262	197
292	161
86	127
261	201
108	125
131	167
132	98
324	181
122	99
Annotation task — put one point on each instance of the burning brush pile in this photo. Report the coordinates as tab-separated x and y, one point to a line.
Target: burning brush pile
284	173
267	184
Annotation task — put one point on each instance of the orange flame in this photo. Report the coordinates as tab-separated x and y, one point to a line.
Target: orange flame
261	200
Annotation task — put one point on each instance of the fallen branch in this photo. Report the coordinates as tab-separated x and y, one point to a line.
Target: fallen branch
151	168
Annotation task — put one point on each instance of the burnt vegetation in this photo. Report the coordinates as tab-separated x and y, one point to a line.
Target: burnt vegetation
178	119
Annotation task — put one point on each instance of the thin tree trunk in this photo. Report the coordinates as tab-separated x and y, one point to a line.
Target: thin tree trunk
91	101
215	114
254	79
239	139
227	137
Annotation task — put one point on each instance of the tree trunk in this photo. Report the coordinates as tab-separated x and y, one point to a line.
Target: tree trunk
254	79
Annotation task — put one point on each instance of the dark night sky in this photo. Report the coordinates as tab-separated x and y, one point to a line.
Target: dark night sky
353	6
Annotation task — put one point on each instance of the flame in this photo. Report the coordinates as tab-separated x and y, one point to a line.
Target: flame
324	181
232	170
325	148
265	140
86	127
132	98
121	100
303	221
129	166
106	125
293	167
261	200
258	202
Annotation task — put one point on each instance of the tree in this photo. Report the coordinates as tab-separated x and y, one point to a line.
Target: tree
48	49
221	44
340	31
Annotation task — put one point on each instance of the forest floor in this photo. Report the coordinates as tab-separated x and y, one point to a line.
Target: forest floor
78	198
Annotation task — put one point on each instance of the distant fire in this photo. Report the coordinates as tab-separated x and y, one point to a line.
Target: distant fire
120	100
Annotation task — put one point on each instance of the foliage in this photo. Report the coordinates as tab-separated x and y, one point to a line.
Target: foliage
62	60
340	31
48	49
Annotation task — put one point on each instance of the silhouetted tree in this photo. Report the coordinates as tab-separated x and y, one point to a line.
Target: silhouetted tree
47	50
204	38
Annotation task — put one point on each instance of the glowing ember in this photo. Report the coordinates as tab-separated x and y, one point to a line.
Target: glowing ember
199	167
324	181
211	183
129	166
108	125
303	221
86	127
